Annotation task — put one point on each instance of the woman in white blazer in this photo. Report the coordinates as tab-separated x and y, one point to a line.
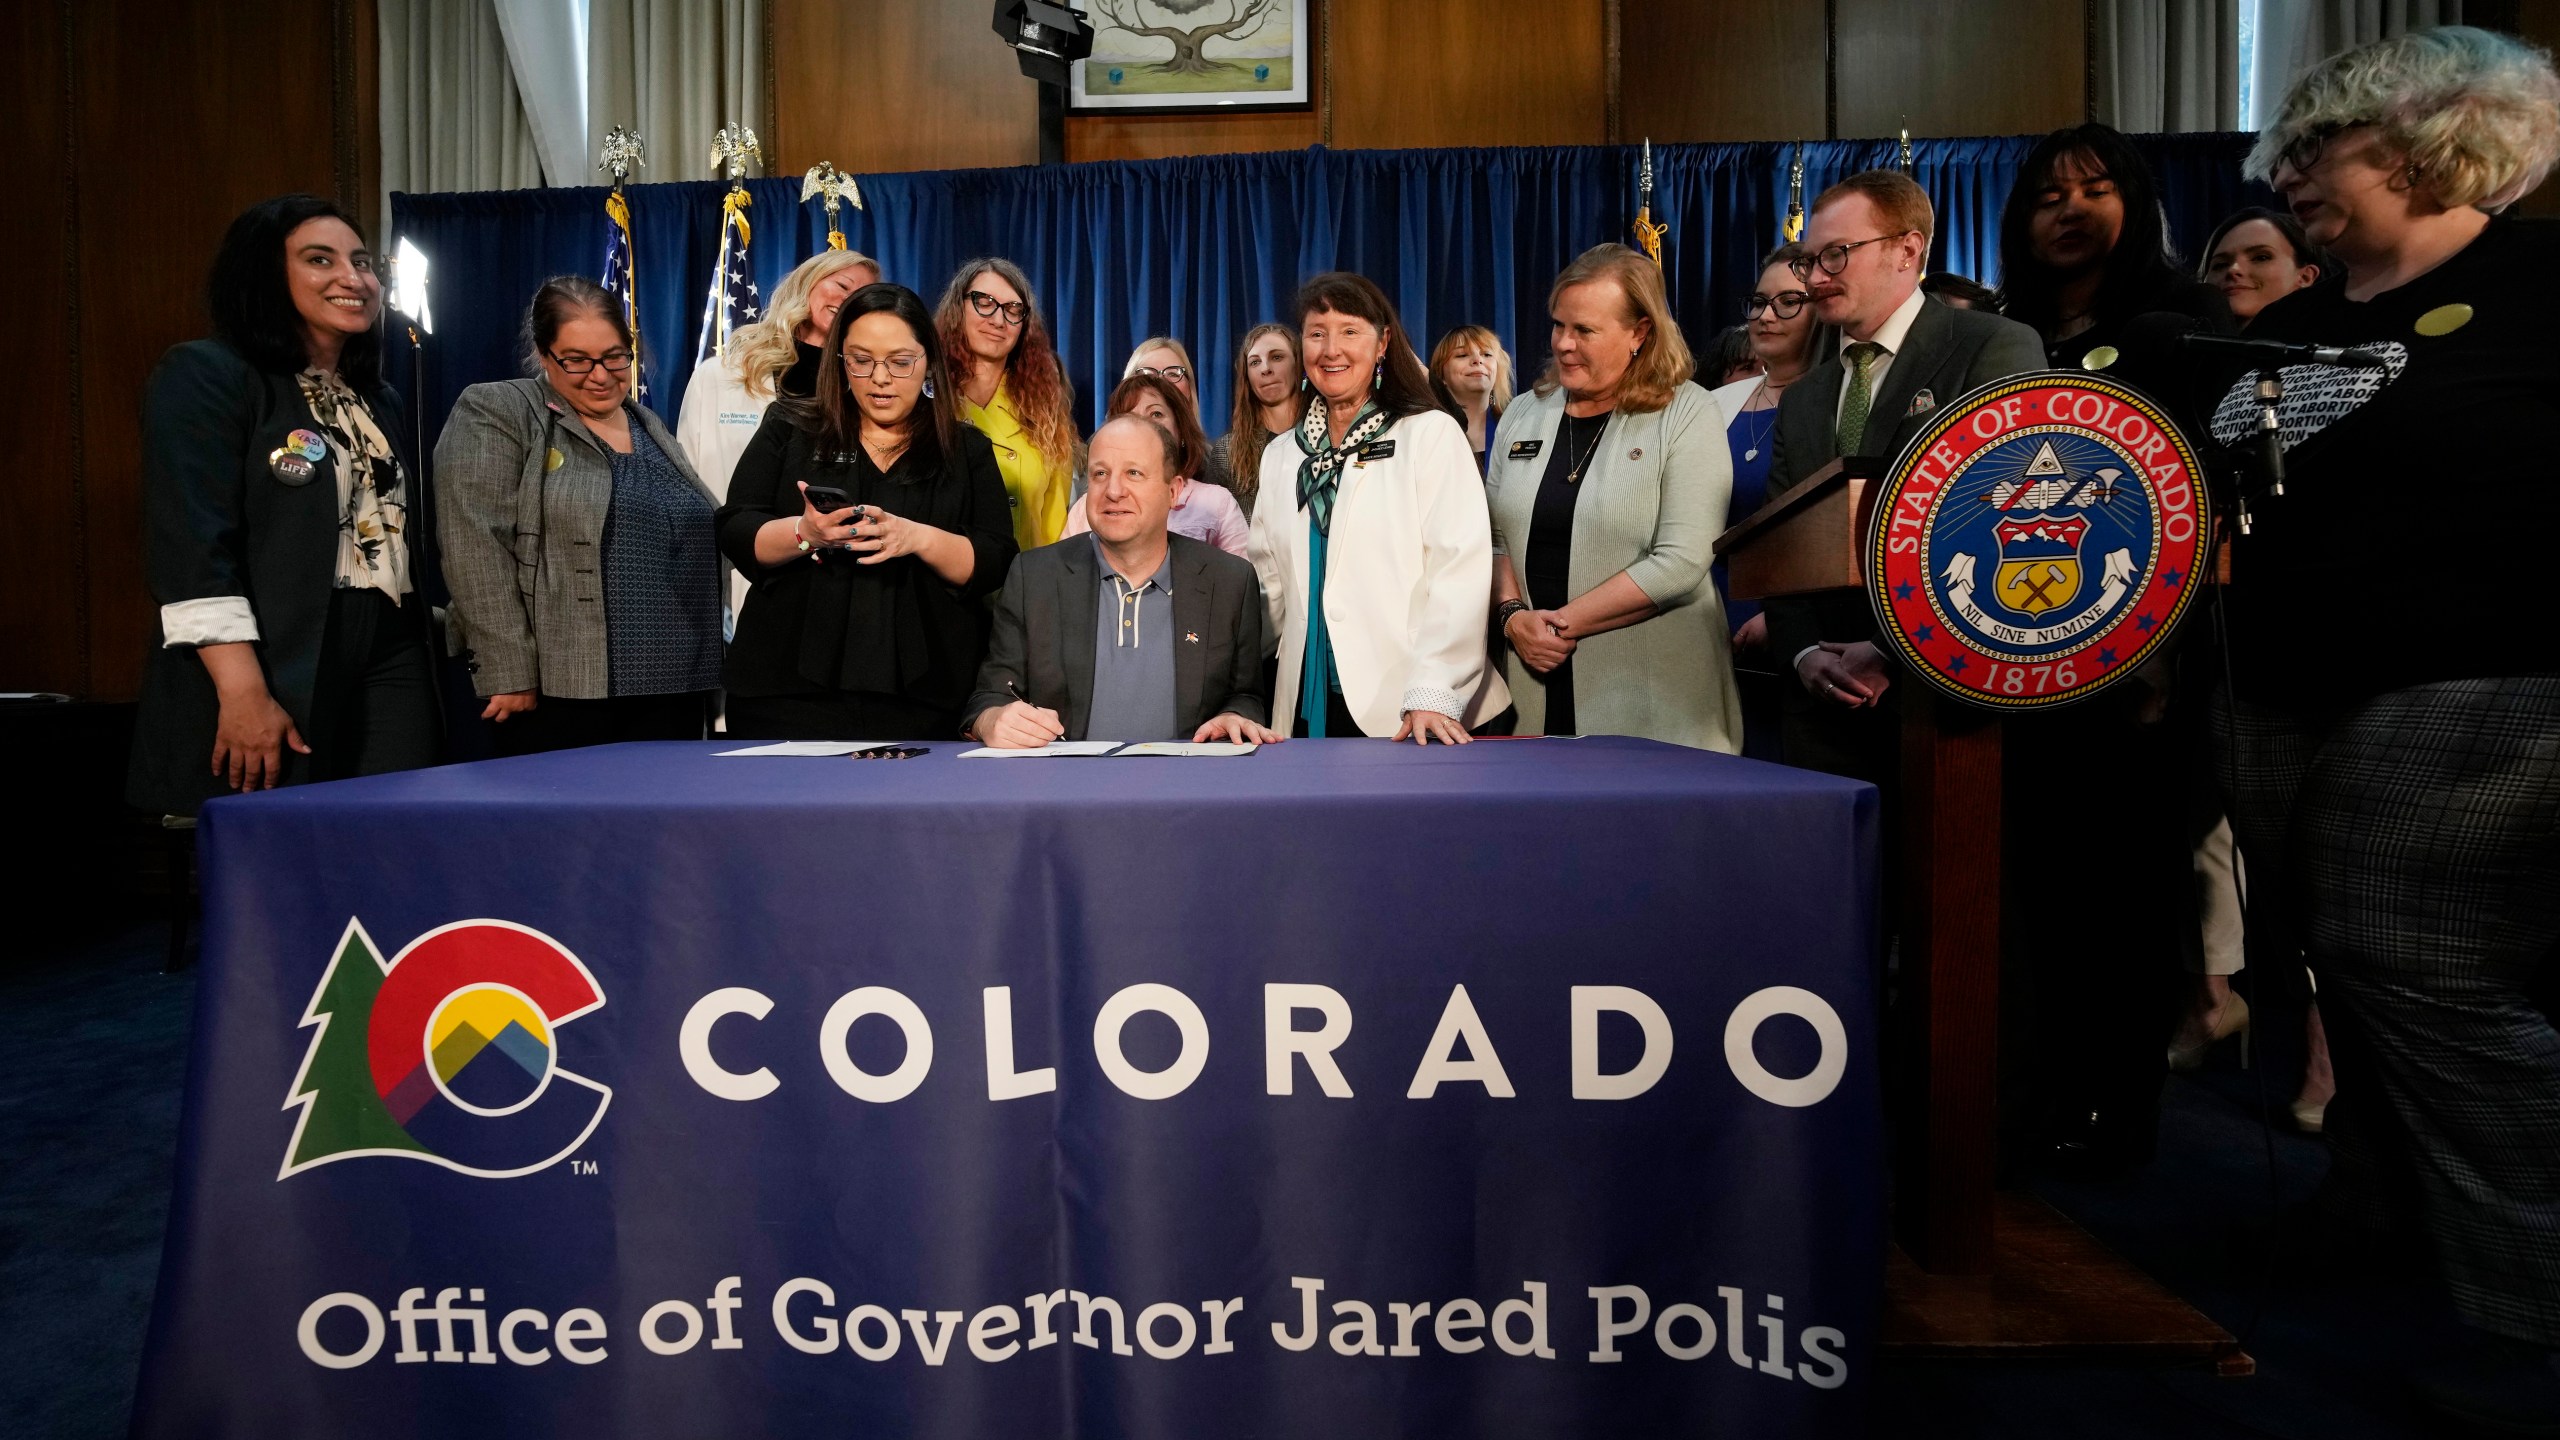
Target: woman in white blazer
1609	486
1372	541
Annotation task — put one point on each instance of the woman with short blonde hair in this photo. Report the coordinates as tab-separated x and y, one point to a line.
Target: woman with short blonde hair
2398	777
1608	488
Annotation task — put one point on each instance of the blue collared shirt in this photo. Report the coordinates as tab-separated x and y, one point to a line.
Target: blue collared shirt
1133	644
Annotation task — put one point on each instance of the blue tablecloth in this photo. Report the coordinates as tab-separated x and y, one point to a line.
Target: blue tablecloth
639	1092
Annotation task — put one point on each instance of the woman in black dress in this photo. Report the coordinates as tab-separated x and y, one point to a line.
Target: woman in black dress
864	620
2395	734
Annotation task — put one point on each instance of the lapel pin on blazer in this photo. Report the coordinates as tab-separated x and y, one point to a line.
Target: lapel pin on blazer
1191	637
1922	404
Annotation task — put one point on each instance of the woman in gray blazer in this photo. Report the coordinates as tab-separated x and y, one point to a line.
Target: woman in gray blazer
579	544
1608	486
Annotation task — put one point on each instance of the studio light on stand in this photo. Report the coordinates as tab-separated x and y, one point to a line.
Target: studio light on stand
409	298
1046	39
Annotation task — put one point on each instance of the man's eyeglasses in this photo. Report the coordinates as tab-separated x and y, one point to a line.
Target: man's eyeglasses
614	361
900	366
1835	258
1179	374
986	304
1786	302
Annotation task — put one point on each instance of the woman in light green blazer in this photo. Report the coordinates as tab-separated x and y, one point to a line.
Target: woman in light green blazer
1608	486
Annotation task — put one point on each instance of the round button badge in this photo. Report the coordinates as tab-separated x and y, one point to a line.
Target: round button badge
2038	541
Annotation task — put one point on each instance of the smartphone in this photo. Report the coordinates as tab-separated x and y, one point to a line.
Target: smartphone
829	498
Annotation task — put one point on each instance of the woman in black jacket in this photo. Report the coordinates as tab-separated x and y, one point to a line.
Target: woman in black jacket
291	640
864	620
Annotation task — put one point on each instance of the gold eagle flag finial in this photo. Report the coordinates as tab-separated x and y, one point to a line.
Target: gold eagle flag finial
826	180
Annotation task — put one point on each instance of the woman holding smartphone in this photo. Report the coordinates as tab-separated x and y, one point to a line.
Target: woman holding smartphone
869	523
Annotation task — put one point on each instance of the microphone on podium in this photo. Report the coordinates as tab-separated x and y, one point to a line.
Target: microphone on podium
2167	330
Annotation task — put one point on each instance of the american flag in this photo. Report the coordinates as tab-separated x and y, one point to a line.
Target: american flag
619	282
734	299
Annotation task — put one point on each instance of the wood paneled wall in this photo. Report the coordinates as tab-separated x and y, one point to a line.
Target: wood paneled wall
1958	67
895	85
146	128
887	85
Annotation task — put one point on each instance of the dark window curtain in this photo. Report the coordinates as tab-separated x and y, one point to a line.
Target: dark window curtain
1204	248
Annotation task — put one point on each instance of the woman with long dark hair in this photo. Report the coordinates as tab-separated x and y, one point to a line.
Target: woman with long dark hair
290	642
870	522
1373	543
2258	256
2084	248
1009	384
1270	395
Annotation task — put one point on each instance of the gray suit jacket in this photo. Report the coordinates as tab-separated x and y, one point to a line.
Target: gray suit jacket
1947	352
524	543
1043	638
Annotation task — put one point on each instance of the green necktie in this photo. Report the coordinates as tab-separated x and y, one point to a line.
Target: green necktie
1852	429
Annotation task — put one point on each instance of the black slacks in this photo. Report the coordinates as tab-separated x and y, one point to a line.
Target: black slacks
373	709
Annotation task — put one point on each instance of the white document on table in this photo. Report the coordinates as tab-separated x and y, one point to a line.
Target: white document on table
1194	749
806	747
1055	749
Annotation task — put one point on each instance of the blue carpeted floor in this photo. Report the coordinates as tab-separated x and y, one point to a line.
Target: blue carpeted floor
96	1041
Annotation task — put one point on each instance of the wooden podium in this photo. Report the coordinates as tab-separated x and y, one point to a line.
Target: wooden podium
1975	1273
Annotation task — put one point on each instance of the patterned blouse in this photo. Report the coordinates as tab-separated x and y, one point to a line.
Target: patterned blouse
661	577
373	512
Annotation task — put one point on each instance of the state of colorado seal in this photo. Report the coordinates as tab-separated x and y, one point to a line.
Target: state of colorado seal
2039	541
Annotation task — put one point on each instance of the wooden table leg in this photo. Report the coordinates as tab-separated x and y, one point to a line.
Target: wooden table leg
1950	889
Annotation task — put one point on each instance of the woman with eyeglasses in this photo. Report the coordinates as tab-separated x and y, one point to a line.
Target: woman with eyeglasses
871	524
291	639
1271	393
1012	388
1167	359
2397	754
578	544
1779	324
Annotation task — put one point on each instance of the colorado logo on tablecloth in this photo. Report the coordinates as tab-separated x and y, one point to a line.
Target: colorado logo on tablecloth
2038	541
448	1054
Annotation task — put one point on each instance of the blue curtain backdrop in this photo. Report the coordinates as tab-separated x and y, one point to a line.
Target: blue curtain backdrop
1205	248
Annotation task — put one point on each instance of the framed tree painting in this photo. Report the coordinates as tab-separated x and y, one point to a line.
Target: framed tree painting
1194	55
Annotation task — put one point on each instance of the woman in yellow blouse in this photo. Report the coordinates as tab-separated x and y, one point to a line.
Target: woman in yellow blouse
1014	390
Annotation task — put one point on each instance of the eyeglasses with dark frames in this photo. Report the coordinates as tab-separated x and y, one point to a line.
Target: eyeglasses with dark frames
1788	303
1177	373
1014	311
614	361
1834	258
2307	148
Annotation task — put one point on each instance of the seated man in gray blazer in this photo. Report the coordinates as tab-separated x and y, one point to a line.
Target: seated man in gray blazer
1129	633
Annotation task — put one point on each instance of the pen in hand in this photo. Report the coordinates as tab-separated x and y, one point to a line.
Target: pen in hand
1016	691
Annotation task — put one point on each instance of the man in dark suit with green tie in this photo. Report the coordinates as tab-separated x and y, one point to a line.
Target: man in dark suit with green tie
1902	356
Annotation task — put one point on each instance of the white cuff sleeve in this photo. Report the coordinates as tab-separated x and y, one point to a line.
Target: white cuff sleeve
1797	664
216	620
1445	702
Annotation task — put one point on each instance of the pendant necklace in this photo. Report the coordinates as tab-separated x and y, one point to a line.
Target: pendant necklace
1574	476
